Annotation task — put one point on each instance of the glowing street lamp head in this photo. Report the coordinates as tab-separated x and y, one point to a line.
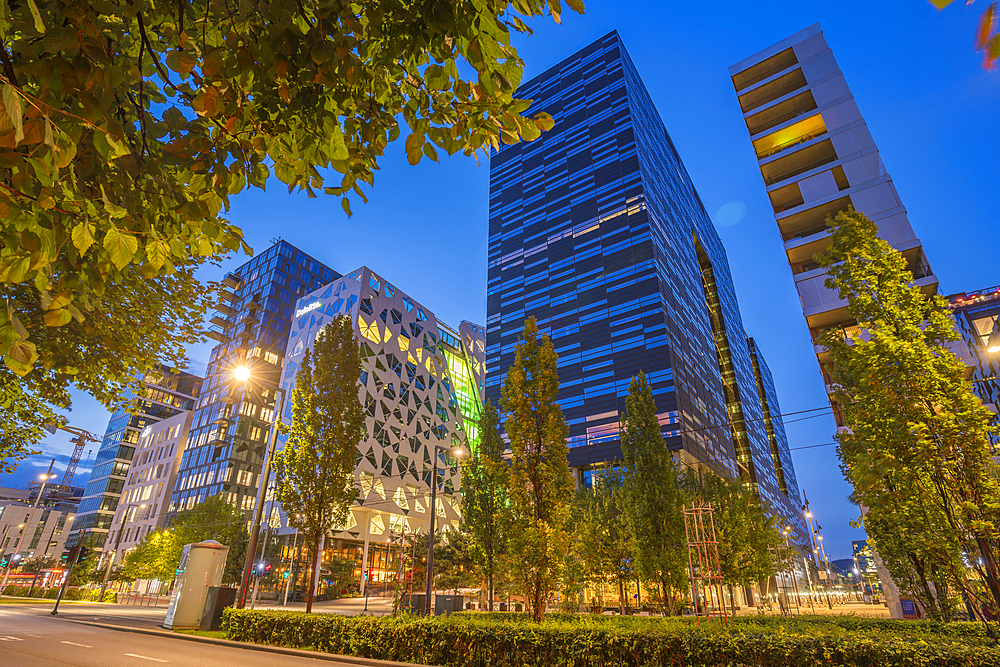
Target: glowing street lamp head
993	349
242	373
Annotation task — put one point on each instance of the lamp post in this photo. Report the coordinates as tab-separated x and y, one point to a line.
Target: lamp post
430	540
786	532
114	554
292	559
242	374
27	526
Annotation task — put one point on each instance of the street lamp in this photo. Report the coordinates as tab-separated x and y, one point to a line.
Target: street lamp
243	374
457	451
20	540
114	554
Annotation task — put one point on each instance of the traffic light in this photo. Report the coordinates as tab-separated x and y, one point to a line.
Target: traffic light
285	575
67	557
84	552
4	560
267	569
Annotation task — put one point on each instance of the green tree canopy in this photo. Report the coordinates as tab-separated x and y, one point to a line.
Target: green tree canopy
605	532
540	482
315	471
125	128
159	554
485	505
917	447
655	498
751	545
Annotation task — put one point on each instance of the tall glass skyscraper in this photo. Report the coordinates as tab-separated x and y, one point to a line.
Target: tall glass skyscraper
597	231
231	423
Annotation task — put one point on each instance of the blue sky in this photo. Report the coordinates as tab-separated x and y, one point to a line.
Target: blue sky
930	106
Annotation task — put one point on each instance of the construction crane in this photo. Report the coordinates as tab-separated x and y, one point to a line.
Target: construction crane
81	439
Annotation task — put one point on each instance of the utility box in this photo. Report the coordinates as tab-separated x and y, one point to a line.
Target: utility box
218	598
201	568
448	604
415	603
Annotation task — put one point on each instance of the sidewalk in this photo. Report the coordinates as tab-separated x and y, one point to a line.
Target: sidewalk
848	609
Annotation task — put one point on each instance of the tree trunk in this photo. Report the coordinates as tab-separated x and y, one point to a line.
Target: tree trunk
621	596
489	602
537	598
313	574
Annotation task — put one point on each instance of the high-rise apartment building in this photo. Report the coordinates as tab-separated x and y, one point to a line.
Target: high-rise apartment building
421	389
165	393
977	318
817	158
229	430
597	231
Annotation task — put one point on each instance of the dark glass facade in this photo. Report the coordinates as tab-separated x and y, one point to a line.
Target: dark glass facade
166	393
597	231
231	423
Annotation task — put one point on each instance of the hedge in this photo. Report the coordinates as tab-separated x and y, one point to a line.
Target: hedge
53	593
465	641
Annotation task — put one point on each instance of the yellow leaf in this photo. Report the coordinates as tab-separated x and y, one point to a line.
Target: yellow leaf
985	28
941	4
58	317
12	103
39	26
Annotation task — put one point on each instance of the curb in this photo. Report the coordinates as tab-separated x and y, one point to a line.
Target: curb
299	653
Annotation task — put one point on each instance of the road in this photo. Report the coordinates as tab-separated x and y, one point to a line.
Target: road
29	637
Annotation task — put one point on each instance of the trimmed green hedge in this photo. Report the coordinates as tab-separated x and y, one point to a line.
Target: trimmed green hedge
52	593
466	641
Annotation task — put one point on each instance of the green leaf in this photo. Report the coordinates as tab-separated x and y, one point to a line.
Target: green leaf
346	205
39	26
181	62
338	149
121	246
13	269
576	5
12	103
83	236
941	4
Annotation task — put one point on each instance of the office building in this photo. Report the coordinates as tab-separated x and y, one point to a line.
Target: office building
976	318
818	158
597	231
421	390
165	393
231	422
142	508
46	532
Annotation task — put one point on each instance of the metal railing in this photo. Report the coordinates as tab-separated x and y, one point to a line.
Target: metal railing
774	150
141	599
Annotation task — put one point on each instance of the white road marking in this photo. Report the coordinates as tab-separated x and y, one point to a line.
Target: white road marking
144	657
11	638
75	644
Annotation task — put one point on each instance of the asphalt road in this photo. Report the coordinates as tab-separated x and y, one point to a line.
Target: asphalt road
29	637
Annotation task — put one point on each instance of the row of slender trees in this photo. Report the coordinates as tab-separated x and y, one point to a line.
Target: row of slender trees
531	526
918	445
917	449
